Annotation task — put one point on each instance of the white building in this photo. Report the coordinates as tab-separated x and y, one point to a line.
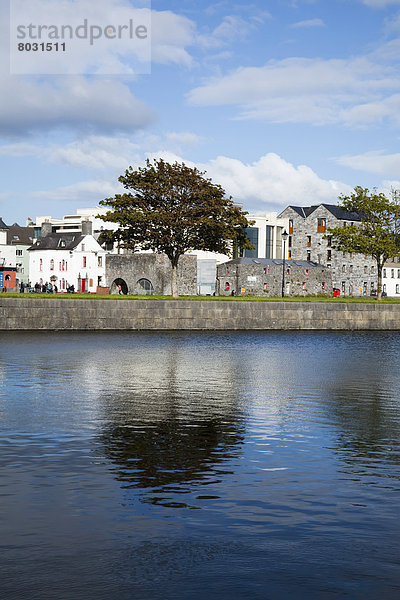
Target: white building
391	278
67	259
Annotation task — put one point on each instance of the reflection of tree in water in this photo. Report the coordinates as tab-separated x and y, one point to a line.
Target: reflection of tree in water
177	433
367	412
170	452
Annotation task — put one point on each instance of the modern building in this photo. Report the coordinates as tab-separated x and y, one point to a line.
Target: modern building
264	277
266	235
308	228
67	259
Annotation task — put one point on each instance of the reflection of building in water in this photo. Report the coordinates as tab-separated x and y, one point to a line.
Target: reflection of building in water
170	427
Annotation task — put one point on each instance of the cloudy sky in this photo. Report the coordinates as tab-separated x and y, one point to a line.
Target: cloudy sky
281	102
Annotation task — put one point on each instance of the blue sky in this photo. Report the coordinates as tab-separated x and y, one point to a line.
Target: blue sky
281	102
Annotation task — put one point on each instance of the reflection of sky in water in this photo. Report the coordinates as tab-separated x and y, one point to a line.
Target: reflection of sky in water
182	464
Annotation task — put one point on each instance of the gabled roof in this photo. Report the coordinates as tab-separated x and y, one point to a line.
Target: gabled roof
58	241
2	224
336	211
19	235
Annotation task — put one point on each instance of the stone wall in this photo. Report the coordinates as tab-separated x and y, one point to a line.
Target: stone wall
155	268
263	277
354	274
163	315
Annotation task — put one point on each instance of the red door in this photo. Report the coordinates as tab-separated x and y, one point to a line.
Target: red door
83	285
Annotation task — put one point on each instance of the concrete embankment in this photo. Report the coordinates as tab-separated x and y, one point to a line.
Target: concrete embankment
97	314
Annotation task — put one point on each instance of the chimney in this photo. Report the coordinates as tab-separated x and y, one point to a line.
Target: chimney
87	227
47	228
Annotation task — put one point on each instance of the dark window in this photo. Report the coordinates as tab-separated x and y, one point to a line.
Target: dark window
252	234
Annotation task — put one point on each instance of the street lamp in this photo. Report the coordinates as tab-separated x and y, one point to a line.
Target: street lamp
284	238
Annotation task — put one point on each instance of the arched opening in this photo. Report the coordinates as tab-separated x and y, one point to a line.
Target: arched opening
115	287
144	287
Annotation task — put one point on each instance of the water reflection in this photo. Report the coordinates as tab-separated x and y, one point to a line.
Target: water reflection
175	436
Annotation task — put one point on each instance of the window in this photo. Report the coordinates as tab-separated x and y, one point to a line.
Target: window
321	227
290	225
351	268
343	287
288	271
66	265
398	273
323	285
100	261
265	287
309	256
384	288
365	288
52	265
365	269
392	273
304	286
252	234
265	270
84	261
329	242
384	273
372	269
63	265
397	288
19	252
309	241
83	247
41	264
329	255
307	271
290	241
343	268
289	254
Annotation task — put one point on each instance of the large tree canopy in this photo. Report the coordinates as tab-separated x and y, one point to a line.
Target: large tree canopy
378	232
173	208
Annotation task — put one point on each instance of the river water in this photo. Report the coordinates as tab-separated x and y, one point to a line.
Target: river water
204	466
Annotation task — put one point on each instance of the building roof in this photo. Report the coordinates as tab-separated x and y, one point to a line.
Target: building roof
339	213
19	235
2	224
272	261
58	241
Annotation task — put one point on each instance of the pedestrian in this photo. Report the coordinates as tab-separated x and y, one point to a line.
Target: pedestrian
119	289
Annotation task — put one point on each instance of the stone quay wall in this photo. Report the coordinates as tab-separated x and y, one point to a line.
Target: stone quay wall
165	315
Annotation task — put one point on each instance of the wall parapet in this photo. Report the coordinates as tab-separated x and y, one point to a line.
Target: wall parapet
165	315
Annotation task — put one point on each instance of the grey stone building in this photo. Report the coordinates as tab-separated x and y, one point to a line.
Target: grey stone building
353	274
150	273
264	276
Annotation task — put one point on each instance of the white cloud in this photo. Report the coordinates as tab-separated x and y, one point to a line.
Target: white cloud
83	191
270	183
372	162
379	3
308	23
305	90
78	103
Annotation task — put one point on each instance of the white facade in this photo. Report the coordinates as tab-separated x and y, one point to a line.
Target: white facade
83	266
391	279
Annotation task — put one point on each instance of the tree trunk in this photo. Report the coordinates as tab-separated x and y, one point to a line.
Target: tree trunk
174	280
379	288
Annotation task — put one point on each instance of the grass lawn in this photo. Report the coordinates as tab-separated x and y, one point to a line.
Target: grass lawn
339	299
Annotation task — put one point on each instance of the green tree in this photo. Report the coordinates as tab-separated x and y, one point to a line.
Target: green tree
378	232
172	209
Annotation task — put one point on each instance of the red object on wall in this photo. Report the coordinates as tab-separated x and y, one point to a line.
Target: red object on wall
7	277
